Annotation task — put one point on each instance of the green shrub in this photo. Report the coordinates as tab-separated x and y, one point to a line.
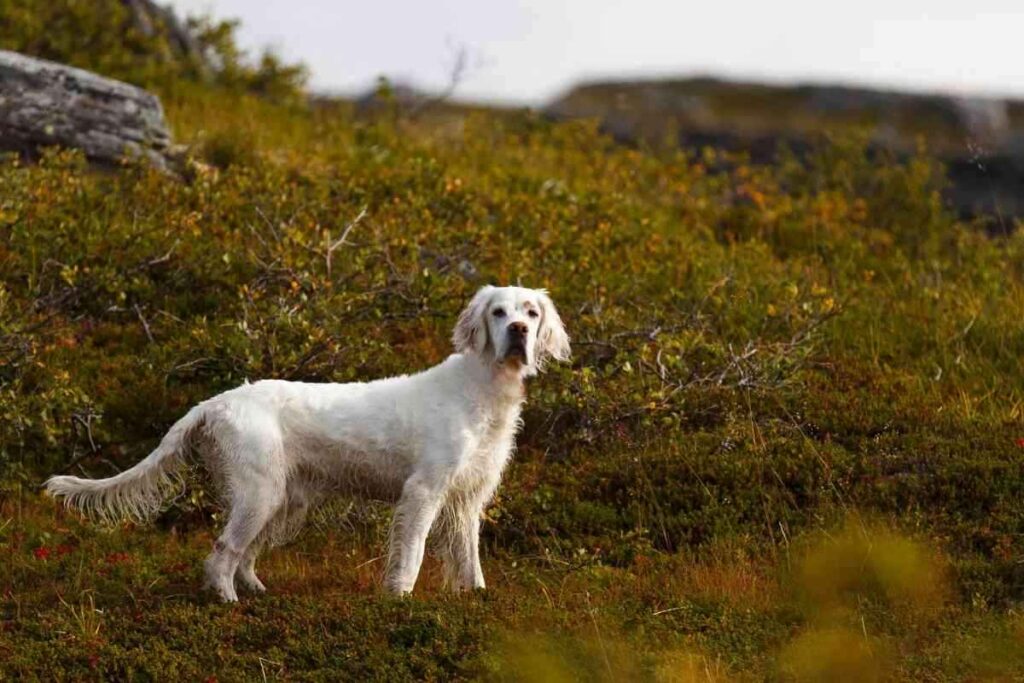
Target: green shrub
104	36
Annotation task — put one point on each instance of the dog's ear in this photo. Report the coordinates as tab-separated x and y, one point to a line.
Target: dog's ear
552	340
471	330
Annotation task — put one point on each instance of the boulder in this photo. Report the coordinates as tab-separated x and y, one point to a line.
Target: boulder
44	103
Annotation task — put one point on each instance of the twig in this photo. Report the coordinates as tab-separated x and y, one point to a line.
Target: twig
94	450
263	670
277	237
666	611
369	561
331	246
145	325
455	76
306	359
190	364
77	461
87	425
165	258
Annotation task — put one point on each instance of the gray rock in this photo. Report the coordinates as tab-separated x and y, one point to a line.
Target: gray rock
45	103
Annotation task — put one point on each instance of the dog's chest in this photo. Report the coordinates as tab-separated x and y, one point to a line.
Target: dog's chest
494	443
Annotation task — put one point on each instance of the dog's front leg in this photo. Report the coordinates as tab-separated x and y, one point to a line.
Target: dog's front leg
462	549
415	513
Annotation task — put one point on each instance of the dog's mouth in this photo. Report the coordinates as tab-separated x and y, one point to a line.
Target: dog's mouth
516	351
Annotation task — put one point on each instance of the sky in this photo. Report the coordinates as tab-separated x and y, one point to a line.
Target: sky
529	51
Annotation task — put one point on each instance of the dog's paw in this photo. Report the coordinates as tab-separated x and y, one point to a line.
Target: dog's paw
225	592
253	584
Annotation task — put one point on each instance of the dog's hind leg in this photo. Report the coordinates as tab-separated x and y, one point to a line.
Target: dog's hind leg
250	513
250	461
284	525
246	572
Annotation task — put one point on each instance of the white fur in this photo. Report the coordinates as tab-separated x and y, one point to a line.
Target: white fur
435	443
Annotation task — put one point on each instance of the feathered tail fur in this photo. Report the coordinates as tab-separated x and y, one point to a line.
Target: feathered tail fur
136	494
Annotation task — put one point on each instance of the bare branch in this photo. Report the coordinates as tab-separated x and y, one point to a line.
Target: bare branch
331	246
145	324
455	78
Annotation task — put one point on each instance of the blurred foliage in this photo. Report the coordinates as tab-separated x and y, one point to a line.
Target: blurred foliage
731	112
105	36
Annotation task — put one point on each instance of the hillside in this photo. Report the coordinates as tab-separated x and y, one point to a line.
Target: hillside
788	446
979	139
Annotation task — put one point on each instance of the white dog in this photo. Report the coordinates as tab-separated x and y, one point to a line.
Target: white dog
435	443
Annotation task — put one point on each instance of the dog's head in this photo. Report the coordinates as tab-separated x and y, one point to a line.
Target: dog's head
514	327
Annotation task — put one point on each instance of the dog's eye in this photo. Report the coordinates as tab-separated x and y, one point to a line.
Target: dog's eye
499	312
533	313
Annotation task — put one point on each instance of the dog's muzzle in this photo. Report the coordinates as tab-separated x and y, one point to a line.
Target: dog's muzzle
516	348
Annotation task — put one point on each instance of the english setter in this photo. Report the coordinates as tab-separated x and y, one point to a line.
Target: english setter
434	443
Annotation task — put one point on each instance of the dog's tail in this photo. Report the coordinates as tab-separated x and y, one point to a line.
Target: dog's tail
138	493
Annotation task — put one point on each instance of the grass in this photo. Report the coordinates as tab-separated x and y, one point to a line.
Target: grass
81	603
788	447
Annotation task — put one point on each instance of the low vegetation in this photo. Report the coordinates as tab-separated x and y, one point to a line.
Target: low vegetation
789	445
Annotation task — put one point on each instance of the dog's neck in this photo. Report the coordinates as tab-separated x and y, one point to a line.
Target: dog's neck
502	382
510	381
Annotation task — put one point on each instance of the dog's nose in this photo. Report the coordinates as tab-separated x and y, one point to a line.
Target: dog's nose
519	329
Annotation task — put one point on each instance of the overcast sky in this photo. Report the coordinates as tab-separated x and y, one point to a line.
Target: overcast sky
530	50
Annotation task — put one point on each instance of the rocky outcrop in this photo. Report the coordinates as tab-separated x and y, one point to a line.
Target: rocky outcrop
43	103
981	140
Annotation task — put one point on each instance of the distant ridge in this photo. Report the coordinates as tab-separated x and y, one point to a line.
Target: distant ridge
981	139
